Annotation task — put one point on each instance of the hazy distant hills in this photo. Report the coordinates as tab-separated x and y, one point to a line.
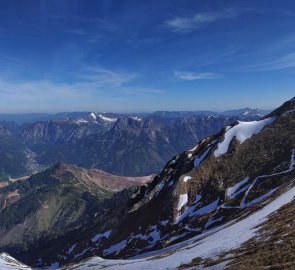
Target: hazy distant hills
25	118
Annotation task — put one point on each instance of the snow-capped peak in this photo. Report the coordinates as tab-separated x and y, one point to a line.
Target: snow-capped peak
93	116
136	118
80	121
107	119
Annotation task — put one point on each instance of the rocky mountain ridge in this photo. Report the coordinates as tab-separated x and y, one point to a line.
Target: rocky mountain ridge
48	204
224	178
93	140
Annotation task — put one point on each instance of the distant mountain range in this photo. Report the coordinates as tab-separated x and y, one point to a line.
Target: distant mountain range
120	144
28	118
247	113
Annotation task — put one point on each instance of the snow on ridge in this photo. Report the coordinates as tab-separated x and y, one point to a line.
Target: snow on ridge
71	248
190	210
80	121
160	187
107	119
115	248
136	118
262	197
164	222
206	209
232	192
187	178
287	112
183	199
99	236
201	157
207	245
93	116
248	188
242	131
7	262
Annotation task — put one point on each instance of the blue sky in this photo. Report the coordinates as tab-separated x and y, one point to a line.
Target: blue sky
135	55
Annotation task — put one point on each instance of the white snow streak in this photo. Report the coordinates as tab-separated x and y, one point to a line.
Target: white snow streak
200	158
182	201
232	192
186	178
222	239
242	131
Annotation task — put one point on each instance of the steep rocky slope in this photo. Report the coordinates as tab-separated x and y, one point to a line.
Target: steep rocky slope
13	158
9	263
224	178
46	205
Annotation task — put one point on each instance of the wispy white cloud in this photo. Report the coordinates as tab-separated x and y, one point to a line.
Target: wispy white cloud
189	24
192	76
95	83
284	62
101	77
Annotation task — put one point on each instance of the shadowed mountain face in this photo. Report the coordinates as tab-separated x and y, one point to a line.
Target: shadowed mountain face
119	144
223	179
123	145
13	155
46	205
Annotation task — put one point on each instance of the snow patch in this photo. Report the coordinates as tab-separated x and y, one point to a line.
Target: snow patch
71	249
290	111
186	178
242	131
208	245
182	201
93	116
115	248
99	236
200	158
80	121
232	192
164	222
107	119
9	263
82	253
161	186
264	196
154	234
135	118
206	209
213	221
189	210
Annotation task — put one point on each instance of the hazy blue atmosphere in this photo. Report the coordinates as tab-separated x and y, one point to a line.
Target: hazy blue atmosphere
124	56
